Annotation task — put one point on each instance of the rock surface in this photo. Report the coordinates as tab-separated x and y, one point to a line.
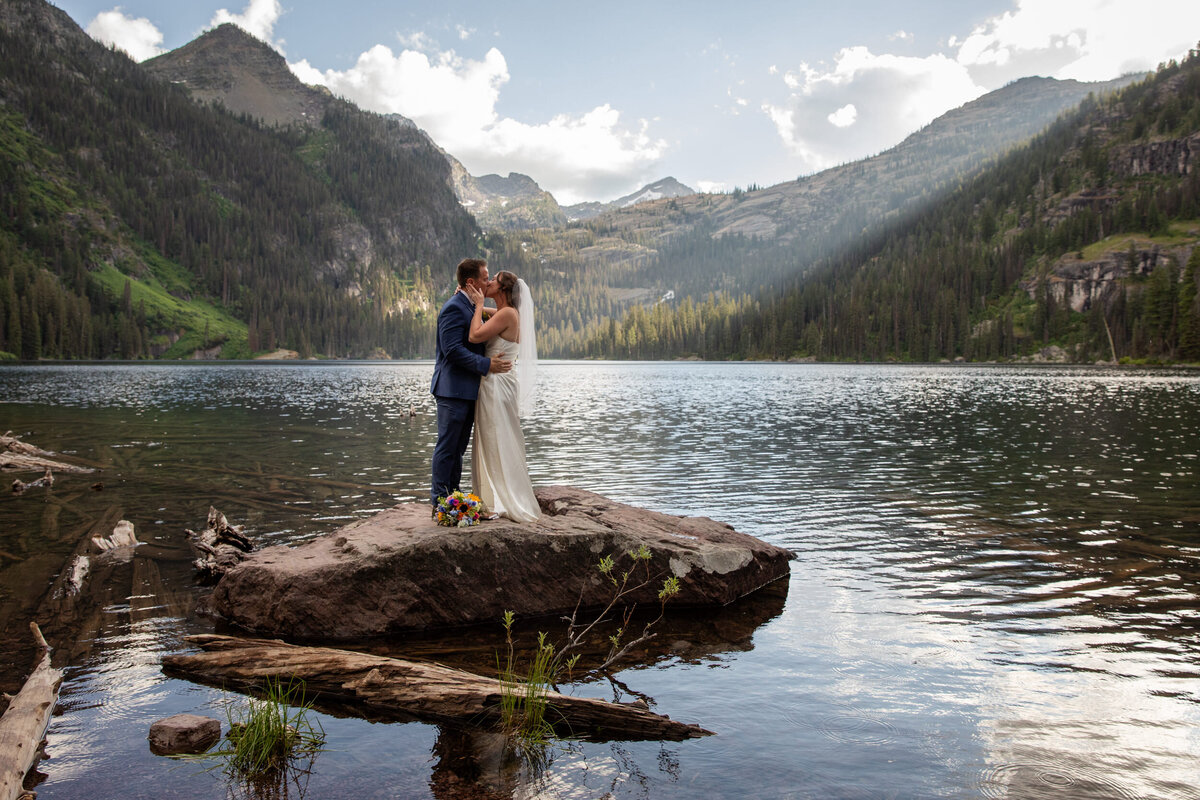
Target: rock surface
184	733
398	571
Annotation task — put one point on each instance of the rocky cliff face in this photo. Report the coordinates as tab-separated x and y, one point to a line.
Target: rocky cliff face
1081	284
52	26
1168	157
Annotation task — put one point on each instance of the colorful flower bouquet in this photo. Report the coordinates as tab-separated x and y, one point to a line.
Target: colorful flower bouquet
459	510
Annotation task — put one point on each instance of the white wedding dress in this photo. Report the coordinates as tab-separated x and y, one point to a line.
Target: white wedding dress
498	469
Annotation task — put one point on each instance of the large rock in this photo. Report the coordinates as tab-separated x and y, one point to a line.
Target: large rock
184	733
399	571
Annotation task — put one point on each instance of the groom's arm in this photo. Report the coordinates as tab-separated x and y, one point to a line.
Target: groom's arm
452	329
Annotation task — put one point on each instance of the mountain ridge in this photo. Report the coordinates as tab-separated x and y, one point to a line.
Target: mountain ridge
1026	105
662	188
242	72
143	222
1081	245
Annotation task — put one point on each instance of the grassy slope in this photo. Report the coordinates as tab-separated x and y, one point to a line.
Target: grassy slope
157	284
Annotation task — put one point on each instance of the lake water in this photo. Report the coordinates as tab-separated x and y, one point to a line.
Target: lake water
995	591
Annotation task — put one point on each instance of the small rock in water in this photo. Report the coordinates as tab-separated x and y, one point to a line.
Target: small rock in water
183	733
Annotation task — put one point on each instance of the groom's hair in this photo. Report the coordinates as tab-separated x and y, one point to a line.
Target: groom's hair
469	268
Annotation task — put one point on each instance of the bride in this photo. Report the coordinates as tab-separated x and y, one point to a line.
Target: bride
499	473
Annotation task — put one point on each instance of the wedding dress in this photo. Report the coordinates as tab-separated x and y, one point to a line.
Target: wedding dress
498	469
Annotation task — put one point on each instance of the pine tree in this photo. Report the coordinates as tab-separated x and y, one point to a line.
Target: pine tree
1189	309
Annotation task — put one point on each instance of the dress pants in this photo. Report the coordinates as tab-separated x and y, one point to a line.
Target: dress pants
455	418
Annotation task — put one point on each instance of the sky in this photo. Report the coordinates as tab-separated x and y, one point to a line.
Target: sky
595	100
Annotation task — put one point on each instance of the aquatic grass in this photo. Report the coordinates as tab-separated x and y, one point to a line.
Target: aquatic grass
273	730
523	699
271	741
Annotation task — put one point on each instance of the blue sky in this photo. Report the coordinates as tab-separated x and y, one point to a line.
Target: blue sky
595	100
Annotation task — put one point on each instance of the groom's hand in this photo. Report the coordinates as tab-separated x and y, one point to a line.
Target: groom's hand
499	365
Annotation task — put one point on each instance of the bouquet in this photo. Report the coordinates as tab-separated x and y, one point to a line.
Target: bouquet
459	510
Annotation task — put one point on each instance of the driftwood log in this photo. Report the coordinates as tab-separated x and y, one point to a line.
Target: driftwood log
97	575
47	480
16	455
25	721
122	536
423	690
220	546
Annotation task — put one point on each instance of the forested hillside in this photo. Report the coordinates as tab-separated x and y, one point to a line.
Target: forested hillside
753	237
1084	240
139	221
135	222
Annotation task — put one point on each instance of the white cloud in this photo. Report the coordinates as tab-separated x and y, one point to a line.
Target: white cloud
844	117
258	19
419	41
709	187
574	156
138	37
464	32
867	102
902	35
871	101
1089	40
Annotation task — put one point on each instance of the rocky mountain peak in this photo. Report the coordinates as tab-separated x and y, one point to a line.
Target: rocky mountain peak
666	187
662	188
53	26
515	185
245	74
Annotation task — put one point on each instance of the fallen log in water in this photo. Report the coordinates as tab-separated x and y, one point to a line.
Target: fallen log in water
25	721
17	455
420	689
94	578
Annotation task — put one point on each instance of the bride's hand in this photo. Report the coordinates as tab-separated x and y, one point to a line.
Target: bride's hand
474	295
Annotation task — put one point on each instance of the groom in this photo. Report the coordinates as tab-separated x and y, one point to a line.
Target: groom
456	374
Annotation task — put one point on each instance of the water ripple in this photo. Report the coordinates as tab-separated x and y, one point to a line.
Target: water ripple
995	587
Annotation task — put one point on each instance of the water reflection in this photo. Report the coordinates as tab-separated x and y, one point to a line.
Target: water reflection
995	593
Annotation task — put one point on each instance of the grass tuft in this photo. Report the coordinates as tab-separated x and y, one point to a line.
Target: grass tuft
271	742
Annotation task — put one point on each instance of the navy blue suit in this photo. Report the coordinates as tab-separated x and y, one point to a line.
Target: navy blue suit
456	373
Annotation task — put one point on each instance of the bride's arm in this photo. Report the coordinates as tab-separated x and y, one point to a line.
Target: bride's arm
496	324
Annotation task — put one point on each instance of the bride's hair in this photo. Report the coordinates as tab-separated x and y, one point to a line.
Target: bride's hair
508	284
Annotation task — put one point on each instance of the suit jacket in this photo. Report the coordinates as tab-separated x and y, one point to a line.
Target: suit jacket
459	363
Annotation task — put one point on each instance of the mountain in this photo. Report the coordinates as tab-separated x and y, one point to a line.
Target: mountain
934	157
210	203
230	66
666	187
750	240
506	204
1082	245
142	220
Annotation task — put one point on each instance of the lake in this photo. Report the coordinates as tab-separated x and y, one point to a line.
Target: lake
995	591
